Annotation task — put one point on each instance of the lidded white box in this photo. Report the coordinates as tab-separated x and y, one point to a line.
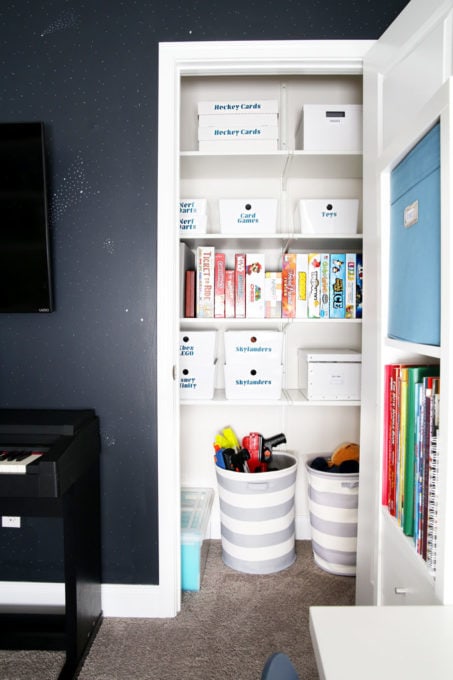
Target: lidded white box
253	346
193	218
253	380
327	216
331	127
196	380
248	215
330	374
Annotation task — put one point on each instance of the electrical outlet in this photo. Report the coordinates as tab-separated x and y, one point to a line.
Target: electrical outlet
10	522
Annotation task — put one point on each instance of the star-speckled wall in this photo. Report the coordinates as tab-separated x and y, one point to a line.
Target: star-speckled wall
88	70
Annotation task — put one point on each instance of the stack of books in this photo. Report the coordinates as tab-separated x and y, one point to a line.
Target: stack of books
308	285
238	126
411	457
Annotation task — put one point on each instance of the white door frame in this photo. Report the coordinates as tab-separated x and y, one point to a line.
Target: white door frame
176	60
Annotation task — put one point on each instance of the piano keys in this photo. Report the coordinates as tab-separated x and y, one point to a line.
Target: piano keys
15	461
58	446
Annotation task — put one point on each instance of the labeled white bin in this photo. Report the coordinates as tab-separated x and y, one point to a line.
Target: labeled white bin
327	216
193	217
253	380
196	381
332	504
253	345
197	346
248	215
257	517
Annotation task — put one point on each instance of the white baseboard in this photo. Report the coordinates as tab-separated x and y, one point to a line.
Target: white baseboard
118	600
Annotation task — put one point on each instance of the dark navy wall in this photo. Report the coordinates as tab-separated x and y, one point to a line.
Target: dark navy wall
88	70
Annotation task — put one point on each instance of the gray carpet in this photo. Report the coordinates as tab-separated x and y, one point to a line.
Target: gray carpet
223	632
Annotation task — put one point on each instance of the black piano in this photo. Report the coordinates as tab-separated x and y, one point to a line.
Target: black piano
49	467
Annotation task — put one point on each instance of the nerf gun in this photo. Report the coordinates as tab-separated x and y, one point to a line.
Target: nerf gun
229	459
260	450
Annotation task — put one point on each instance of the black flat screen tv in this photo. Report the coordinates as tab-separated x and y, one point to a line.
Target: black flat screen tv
25	264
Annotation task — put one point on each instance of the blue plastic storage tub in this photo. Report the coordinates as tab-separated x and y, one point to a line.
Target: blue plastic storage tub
196	507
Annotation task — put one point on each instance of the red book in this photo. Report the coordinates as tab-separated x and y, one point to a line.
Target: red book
387	435
219	285
189	294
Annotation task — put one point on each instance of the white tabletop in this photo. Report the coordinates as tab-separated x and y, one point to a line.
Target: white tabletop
373	643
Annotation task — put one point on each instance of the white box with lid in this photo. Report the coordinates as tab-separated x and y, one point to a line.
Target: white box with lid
330	374
331	127
248	215
327	216
253	346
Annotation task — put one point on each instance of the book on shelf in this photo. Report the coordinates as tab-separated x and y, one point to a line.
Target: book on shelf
337	289
415	375
205	281
433	482
351	286
255	275
189	294
239	285
229	293
273	295
359	286
289	285
186	262
301	285
219	285
324	297
314	286
410	452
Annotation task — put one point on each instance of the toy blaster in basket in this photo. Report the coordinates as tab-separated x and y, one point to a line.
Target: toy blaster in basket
260	450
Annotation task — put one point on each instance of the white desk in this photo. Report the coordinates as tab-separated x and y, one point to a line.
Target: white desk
373	643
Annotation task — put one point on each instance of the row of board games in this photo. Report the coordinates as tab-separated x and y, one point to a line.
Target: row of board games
308	285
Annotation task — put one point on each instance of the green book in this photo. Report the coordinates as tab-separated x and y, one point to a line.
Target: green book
415	375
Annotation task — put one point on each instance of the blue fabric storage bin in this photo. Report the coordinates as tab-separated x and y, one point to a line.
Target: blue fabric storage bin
414	293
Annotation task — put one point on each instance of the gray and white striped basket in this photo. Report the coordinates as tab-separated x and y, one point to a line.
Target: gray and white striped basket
257	517
332	504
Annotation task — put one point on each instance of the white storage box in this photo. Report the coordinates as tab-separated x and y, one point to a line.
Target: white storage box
240	106
197	346
196	381
330	374
331	127
248	216
195	513
193	225
253	346
262	380
327	216
193	206
193	215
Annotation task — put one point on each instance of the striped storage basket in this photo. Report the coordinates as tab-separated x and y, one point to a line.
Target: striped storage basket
257	517
332	503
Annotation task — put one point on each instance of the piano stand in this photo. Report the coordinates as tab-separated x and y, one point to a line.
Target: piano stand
73	631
